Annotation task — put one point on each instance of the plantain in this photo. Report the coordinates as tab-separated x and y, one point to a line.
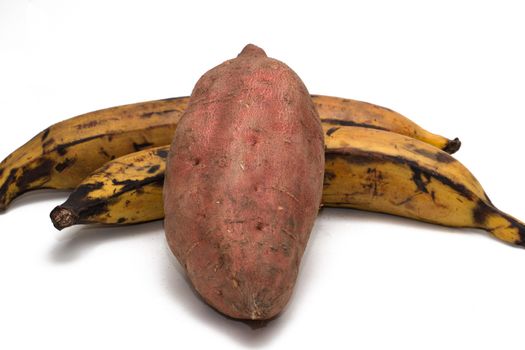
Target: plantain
123	191
347	112
365	169
63	154
379	171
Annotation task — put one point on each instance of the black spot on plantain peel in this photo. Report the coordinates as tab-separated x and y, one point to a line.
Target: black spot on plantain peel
153	169
417	178
39	172
435	155
24	179
68	162
138	185
140	146
63	147
329	176
350	123
162	153
45	134
332	130
4	200
150	114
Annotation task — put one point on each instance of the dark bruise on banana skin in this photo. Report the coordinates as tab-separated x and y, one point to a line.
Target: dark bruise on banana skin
62	148
438	156
48	143
329	176
60	167
105	153
45	134
5	186
141	146
137	185
481	212
350	123
330	131
87	125
162	153
28	175
356	156
417	178
153	169
151	114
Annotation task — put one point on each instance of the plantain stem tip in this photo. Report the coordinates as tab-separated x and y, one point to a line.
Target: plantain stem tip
62	218
452	146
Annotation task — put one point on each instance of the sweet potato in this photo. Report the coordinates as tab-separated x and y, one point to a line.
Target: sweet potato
243	184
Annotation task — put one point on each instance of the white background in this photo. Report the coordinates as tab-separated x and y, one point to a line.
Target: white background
368	281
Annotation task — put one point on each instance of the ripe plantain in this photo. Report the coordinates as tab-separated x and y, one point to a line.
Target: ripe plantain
62	155
123	191
339	111
391	173
365	169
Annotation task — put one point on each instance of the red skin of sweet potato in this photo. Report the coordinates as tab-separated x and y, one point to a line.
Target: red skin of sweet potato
243	184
